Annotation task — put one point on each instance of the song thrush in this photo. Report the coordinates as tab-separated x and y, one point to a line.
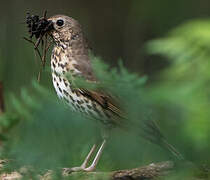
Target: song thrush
71	55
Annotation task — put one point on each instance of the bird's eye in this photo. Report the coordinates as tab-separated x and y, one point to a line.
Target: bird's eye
60	22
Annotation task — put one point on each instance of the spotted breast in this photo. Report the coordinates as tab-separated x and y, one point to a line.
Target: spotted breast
78	99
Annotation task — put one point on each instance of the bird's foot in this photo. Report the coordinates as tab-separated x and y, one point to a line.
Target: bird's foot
67	171
83	167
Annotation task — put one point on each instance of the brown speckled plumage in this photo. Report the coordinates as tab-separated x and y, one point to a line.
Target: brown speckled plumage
71	55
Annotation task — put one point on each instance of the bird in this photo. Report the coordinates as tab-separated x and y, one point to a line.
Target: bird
71	54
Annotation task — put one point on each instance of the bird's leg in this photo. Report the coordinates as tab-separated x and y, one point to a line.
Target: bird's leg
97	157
84	164
84	167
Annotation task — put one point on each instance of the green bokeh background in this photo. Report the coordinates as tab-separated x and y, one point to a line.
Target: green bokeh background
168	41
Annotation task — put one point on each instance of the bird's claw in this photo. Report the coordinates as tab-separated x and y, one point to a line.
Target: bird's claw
83	167
67	171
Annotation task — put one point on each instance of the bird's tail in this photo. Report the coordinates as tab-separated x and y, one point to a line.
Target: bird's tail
171	149
152	133
165	145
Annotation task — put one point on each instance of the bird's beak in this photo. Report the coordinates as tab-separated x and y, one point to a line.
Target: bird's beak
50	20
50	25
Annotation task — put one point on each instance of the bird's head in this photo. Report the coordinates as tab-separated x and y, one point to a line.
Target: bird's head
64	29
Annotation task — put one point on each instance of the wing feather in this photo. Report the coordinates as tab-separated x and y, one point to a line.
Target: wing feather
108	103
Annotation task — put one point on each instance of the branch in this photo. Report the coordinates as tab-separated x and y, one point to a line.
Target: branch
146	172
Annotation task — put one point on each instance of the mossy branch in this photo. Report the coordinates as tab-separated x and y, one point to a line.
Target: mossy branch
151	171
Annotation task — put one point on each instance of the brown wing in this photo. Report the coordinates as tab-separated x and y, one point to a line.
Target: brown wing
107	102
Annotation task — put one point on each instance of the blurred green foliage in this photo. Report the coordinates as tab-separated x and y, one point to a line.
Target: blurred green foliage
40	131
186	82
50	136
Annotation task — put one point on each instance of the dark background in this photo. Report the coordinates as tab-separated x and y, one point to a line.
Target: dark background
115	29
178	92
